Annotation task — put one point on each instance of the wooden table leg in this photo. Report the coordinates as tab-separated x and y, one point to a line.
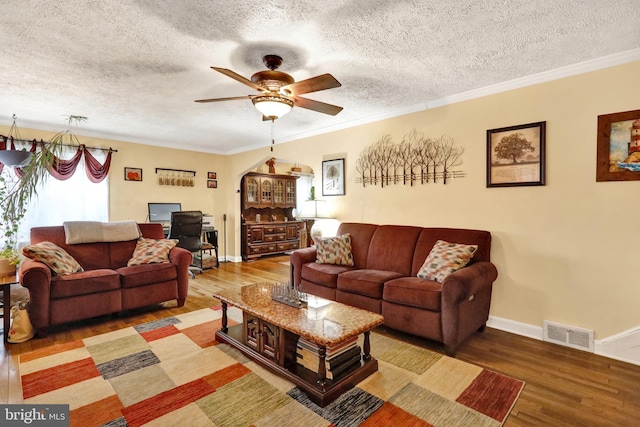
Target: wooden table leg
225	320
6	310
322	366
366	347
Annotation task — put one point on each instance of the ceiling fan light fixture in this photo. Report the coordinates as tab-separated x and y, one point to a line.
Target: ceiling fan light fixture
272	106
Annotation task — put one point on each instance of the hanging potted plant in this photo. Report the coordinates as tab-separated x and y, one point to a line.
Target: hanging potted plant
15	195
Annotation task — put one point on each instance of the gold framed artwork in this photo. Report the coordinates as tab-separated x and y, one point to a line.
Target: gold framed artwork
618	149
132	174
516	155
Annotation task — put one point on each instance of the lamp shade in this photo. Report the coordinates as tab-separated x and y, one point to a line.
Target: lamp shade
17	158
272	106
316	209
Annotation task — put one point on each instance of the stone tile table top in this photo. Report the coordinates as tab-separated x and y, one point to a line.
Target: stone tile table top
323	321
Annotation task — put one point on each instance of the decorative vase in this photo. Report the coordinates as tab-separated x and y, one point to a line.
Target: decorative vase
6	269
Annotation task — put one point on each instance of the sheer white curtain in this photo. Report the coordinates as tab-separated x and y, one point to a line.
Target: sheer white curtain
75	199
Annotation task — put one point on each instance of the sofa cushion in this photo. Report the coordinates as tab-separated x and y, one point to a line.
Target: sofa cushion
392	248
365	282
360	239
323	274
429	237
56	258
146	274
84	283
150	251
414	292
334	250
444	259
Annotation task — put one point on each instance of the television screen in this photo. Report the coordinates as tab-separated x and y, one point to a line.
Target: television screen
161	212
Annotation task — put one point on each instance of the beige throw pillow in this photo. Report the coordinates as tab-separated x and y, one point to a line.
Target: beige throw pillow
334	250
56	258
150	251
444	259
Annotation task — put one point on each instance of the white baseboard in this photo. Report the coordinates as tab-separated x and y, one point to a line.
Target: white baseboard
624	346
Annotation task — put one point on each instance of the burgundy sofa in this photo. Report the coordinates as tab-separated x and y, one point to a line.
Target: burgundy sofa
107	285
384	280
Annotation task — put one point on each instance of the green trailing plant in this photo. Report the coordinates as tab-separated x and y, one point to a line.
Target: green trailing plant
15	195
9	225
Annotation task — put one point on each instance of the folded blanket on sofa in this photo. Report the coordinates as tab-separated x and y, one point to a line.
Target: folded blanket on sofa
93	231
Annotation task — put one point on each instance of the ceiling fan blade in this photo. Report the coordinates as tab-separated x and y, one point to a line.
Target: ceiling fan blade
239	78
318	106
233	98
314	84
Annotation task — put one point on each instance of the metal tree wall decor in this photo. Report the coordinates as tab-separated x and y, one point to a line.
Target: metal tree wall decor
415	159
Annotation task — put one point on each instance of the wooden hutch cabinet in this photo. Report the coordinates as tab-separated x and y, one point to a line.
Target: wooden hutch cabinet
268	225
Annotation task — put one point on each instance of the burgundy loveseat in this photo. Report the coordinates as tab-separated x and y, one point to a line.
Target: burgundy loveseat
384	280
107	285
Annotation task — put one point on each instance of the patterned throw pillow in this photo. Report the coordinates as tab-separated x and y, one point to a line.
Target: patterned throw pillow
150	251
444	259
56	258
334	250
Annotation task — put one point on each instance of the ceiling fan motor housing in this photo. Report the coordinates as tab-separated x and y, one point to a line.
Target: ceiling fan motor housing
272	80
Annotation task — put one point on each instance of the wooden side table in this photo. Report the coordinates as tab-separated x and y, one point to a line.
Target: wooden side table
5	285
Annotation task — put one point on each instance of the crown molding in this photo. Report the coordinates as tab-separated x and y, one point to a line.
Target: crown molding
534	79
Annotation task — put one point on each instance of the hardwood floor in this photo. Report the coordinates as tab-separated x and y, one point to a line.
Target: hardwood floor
564	387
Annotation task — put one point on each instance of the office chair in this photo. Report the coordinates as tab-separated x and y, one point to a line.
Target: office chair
186	226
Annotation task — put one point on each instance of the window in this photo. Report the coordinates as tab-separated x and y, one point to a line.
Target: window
76	199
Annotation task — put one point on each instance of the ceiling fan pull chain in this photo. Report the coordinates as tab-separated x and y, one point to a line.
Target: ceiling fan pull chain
272	139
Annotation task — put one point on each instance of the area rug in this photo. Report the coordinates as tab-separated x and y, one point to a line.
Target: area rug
172	372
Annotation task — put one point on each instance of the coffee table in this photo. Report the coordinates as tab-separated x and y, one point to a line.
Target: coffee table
270	331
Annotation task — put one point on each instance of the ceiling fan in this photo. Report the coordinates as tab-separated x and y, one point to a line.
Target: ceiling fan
278	92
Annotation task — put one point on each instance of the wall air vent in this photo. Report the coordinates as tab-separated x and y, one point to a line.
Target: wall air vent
568	336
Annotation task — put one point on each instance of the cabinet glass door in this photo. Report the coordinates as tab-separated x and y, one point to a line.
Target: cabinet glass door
278	193
252	190
290	194
266	191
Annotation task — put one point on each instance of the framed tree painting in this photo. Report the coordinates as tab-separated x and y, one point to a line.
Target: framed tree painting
516	155
333	177
618	150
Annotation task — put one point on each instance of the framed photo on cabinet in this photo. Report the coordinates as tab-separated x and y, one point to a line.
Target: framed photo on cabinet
516	155
333	177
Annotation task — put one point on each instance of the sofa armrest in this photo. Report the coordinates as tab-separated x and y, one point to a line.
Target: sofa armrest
182	259
468	281
298	258
466	300
36	277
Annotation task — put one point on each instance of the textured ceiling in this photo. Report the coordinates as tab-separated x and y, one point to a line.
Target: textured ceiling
134	68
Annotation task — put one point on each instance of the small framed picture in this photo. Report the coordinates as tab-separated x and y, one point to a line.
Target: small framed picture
618	149
333	177
212	183
516	155
132	174
212	175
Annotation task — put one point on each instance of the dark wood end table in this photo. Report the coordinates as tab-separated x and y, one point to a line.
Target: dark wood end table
5	285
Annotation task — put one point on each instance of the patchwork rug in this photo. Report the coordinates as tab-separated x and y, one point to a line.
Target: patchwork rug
172	372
